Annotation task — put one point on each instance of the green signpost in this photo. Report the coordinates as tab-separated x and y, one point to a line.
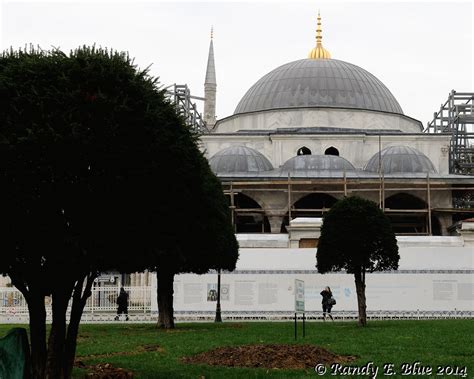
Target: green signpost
299	304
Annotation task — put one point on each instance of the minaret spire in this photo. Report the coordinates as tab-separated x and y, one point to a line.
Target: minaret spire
210	87
319	52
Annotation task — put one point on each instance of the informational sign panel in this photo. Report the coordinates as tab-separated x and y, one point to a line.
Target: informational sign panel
299	295
275	291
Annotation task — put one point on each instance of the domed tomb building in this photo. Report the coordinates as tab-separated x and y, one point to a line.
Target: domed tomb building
314	130
303	136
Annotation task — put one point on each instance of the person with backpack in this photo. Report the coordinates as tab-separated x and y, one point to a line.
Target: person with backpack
122	302
327	302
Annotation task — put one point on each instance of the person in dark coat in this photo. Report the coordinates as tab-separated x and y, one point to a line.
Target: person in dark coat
327	306
122	302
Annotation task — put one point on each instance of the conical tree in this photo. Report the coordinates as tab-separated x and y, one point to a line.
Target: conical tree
95	164
357	237
201	241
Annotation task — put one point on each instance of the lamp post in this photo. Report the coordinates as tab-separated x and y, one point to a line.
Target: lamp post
218	305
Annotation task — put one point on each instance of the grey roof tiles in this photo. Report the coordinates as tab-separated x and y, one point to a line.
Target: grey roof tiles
239	159
318	83
400	159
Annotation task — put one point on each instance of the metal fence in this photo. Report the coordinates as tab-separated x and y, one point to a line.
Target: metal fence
343	315
102	305
12	302
102	300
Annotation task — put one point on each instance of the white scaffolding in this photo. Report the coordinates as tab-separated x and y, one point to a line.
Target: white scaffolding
181	96
456	117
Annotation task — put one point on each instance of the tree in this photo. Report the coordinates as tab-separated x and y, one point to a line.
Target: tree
91	158
356	236
203	240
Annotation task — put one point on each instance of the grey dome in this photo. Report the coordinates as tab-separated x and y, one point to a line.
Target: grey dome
318	83
401	159
239	159
317	163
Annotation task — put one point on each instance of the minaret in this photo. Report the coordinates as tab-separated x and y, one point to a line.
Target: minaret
210	86
319	52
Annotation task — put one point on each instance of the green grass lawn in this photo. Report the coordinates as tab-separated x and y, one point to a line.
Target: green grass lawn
433	343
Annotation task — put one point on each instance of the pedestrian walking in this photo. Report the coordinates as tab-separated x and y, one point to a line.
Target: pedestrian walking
122	302
327	302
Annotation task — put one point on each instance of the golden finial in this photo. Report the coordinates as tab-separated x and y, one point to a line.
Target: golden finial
212	32
318	30
319	52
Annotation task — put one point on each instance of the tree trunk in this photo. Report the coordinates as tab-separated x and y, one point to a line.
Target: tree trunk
37	313
78	302
165	298
57	335
360	289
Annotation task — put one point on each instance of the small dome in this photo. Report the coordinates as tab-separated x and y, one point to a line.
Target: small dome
317	163
239	159
400	159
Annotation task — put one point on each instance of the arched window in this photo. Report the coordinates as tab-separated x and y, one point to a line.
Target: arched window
308	206
331	151
404	222
249	216
303	151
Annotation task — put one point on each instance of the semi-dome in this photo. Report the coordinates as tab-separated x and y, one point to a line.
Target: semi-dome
317	163
318	83
400	159
239	159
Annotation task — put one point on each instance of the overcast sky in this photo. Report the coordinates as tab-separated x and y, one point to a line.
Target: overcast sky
419	50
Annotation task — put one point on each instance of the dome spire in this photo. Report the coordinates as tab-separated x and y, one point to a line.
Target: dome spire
318	30
319	52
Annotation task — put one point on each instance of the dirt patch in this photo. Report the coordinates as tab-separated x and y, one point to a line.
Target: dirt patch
150	348
107	371
269	356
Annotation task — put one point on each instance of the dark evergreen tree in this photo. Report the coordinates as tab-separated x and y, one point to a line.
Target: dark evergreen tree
356	236
203	240
97	171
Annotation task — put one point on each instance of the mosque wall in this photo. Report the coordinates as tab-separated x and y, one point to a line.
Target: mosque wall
433	276
269	291
356	148
318	117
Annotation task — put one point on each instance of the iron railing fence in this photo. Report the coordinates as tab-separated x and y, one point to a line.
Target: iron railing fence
102	305
102	300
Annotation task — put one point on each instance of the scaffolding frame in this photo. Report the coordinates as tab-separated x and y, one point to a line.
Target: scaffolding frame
180	96
456	117
346	186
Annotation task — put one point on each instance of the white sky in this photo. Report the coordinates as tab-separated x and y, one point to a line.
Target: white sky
419	50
